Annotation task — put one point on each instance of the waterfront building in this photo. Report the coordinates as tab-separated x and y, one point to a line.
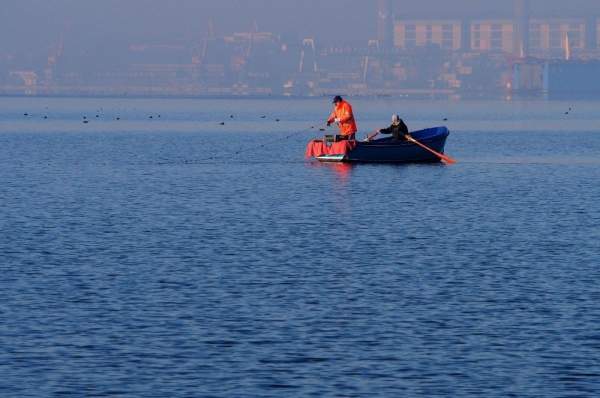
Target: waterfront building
550	37
567	78
418	33
557	78
493	35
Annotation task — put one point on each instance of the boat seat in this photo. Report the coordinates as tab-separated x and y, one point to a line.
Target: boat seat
334	138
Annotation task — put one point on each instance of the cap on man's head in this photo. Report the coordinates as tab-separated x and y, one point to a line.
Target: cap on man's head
395	119
337	99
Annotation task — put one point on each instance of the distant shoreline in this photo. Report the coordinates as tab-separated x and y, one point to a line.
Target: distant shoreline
420	97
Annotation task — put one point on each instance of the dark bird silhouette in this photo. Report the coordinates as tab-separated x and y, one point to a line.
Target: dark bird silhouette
150	117
445	119
231	116
85	122
26	114
222	123
276	120
263	117
118	118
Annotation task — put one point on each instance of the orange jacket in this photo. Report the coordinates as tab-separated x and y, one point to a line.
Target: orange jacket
343	112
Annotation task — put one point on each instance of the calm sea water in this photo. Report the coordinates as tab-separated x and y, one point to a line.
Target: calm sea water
132	264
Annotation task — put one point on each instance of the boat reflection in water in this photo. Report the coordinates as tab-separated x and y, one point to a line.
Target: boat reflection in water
341	170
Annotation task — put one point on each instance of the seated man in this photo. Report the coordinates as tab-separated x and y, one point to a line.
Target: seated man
398	129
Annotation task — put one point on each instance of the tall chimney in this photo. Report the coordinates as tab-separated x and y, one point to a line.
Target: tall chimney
521	35
465	34
385	25
591	32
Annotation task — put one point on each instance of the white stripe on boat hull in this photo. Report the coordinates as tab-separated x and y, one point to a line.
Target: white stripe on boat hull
331	158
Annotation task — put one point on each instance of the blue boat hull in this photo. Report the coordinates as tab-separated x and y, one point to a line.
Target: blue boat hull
389	150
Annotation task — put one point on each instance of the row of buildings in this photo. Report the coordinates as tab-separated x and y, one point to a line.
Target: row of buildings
546	38
409	56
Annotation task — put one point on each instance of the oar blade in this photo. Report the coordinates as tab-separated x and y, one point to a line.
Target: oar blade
448	159
444	158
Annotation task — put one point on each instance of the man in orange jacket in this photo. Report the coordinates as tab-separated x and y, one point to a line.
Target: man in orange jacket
344	117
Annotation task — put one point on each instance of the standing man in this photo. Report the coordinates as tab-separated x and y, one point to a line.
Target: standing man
344	117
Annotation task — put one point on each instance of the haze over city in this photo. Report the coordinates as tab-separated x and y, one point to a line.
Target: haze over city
70	44
32	25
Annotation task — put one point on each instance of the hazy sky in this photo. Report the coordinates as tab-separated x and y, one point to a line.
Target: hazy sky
34	25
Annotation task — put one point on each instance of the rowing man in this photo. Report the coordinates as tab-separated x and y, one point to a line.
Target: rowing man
343	116
398	129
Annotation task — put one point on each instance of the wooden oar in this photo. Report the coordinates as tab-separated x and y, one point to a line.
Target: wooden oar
445	158
372	135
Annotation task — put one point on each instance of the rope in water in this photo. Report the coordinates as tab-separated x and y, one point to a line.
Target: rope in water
259	146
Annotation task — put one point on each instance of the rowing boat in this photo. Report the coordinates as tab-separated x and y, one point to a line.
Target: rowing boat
384	150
